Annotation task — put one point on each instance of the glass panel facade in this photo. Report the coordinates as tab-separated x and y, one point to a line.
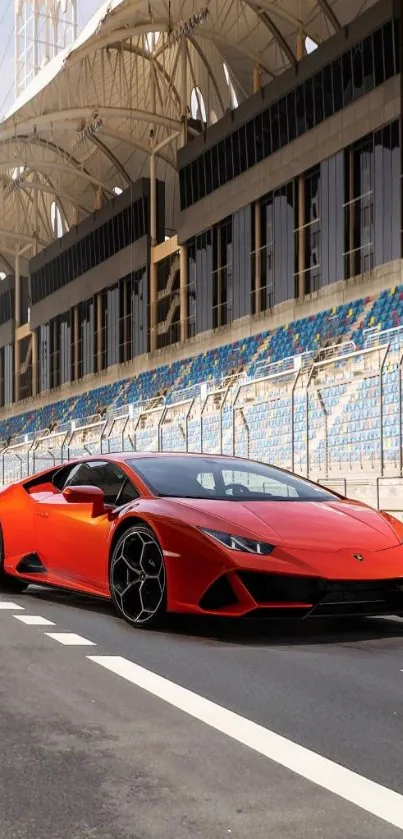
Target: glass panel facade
273	264
365	66
308	236
123	335
168	313
6	306
118	233
372	208
338	219
25	383
60	350
222	273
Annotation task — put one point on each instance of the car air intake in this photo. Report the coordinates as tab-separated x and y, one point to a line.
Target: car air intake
218	596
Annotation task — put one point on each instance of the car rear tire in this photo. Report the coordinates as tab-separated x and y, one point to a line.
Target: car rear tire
137	578
9	584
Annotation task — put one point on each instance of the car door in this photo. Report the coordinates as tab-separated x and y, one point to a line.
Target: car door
72	544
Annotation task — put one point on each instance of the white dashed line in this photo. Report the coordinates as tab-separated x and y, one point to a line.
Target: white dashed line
368	795
69	639
34	620
10	607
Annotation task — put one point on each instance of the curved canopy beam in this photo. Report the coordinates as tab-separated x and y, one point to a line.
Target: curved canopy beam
22	139
241	33
216	38
329	14
129	140
114	37
147	56
280	13
48	145
20	237
48	188
38	166
211	75
4	258
111	157
74	115
19	191
60	201
274	30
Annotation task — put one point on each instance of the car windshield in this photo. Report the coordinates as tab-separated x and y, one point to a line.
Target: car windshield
223	478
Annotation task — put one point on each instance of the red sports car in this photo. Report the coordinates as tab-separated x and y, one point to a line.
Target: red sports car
201	534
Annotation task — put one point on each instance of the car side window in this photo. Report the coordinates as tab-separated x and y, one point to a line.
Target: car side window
254	483
80	475
127	494
107	476
207	480
62	476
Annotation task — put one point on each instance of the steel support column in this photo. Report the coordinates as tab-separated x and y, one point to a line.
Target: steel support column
301	199
183	288
99	333
153	264
75	342
34	343
17	346
257	280
183	92
351	215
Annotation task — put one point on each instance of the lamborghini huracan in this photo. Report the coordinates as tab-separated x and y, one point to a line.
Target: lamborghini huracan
200	534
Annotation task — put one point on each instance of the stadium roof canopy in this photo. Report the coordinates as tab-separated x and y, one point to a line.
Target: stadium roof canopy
83	128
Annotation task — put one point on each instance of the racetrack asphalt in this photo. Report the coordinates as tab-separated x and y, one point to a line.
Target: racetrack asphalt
86	754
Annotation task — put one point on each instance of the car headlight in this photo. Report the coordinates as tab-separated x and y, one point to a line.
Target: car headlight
240	543
396	524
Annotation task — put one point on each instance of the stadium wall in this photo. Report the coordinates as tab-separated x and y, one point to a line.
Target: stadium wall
329	297
333	133
187	307
372	111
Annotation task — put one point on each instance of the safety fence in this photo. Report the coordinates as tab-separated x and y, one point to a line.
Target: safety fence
334	417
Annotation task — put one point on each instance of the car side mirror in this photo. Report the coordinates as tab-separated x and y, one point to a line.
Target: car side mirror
86	495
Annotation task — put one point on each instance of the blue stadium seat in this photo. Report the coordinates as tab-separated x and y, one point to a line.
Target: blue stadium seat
357	426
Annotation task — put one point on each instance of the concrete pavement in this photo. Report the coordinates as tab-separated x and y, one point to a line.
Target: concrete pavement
84	753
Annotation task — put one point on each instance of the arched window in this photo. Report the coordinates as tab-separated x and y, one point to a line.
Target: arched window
17	172
56	220
152	39
233	97
310	45
197	106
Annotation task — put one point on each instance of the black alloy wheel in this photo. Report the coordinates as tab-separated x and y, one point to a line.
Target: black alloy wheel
137	577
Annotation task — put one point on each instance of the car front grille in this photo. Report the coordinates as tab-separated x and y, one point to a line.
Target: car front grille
326	597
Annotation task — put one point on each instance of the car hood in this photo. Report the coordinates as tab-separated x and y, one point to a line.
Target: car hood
333	525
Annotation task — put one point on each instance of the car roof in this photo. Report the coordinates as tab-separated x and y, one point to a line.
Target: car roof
124	456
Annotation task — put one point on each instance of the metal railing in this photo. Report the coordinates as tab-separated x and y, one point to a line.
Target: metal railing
334	417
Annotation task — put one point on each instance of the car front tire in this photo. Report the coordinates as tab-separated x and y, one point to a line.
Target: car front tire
137	577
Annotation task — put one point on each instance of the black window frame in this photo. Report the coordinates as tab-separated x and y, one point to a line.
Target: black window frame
75	469
122	230
365	65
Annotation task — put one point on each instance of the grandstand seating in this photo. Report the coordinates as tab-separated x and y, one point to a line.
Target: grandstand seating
263	426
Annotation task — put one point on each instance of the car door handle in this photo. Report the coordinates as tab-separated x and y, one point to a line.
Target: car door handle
42	514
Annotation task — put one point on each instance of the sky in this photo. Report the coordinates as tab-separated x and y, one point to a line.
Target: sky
86	8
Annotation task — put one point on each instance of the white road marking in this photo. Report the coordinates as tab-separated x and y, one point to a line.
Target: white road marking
34	620
70	639
10	607
368	795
